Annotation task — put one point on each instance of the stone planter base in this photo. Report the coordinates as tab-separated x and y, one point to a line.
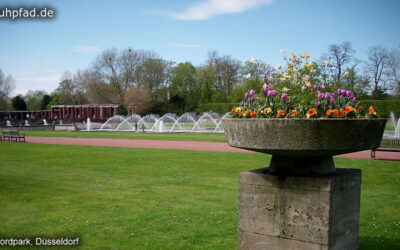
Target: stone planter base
313	212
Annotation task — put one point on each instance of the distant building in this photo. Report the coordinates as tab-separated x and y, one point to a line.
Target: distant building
65	112
79	112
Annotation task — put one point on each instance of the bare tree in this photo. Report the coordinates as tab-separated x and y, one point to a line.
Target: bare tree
137	100
7	84
340	54
121	70
394	68
153	76
227	70
376	67
107	67
101	93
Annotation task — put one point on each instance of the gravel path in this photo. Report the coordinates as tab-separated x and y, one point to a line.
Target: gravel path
182	145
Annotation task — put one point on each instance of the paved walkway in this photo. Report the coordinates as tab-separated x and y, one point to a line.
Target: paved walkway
182	145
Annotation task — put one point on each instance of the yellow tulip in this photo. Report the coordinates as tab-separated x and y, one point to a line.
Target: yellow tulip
291	57
307	55
278	66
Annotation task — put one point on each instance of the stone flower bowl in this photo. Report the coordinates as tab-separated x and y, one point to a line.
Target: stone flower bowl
303	146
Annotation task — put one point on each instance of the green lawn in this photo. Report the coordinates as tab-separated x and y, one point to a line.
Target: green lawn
121	198
213	137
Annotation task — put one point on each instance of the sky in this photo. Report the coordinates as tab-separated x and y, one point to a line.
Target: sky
36	52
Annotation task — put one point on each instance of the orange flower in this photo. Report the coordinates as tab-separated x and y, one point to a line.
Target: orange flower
259	111
342	111
281	112
337	114
252	114
329	112
294	112
234	110
268	110
372	111
359	107
349	109
311	112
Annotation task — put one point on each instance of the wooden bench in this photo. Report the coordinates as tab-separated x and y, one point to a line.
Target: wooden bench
388	145
13	135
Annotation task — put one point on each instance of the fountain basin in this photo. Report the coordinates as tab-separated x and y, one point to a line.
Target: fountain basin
304	146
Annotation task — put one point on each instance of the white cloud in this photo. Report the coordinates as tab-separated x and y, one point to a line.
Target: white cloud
43	79
86	49
209	8
47	83
185	45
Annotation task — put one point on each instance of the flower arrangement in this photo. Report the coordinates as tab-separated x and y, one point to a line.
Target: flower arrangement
301	90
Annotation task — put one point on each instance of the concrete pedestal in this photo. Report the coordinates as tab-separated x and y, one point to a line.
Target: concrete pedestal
316	212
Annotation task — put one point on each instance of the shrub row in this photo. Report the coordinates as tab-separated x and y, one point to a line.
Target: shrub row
220	108
382	107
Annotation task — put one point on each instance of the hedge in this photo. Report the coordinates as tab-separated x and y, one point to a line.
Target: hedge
382	107
220	108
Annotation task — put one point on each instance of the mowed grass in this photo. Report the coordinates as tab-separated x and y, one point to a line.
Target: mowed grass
212	137
121	198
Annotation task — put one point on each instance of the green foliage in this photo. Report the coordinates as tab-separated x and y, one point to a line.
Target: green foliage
184	85
220	108
55	99
122	110
18	103
34	99
45	102
383	107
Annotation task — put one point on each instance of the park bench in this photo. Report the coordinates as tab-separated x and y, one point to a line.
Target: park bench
388	145
13	135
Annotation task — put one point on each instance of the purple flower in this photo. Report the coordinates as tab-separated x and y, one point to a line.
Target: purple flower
318	103
321	88
343	92
339	91
332	95
332	100
266	88
253	99
274	93
241	104
246	96
252	92
349	93
327	95
283	97
320	95
354	99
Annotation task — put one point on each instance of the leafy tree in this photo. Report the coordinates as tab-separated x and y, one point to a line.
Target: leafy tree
55	99
18	103
34	99
44	102
178	101
183	87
